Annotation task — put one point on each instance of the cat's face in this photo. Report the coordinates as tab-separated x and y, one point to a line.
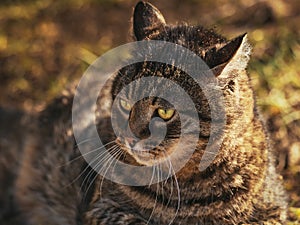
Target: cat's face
152	131
149	130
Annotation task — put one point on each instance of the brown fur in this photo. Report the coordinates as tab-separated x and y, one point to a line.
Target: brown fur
237	187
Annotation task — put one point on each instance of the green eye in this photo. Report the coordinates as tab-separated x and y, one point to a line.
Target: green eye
125	105
166	113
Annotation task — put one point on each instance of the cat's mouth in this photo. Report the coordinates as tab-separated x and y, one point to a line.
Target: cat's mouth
146	155
141	155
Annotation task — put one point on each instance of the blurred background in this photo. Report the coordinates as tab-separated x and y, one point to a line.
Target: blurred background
46	45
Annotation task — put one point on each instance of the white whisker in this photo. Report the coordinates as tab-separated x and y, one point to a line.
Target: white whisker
107	159
87	177
85	169
156	196
114	158
81	155
178	193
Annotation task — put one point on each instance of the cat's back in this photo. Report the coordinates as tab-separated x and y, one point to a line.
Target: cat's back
16	128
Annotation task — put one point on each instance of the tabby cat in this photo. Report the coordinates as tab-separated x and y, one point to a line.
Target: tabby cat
240	186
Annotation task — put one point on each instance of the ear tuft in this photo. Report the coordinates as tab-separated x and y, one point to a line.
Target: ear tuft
233	56
147	21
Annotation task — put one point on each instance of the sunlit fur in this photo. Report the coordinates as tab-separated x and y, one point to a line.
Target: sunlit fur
236	187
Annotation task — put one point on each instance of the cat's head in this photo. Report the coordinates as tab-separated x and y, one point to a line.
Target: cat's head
226	59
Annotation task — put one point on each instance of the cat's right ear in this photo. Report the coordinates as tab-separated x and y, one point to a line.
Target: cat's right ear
147	21
233	56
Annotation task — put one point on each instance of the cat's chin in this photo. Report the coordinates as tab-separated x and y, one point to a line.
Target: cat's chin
144	157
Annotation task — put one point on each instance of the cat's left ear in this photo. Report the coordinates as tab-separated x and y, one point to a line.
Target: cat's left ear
234	55
147	20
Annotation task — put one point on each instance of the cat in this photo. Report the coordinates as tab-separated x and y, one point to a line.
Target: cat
241	186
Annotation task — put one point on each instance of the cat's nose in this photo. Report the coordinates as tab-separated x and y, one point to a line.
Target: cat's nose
131	142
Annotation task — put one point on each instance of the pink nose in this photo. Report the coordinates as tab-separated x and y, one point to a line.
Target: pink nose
131	141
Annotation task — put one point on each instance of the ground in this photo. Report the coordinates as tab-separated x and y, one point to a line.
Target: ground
45	45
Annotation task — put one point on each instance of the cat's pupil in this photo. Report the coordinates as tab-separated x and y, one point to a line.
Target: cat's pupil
165	114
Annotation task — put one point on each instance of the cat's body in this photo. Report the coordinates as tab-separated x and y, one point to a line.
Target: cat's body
240	186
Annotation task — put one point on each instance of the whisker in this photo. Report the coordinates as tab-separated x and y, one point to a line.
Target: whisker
152	176
162	184
81	155
120	154
156	195
94	160
178	194
84	141
85	169
171	177
114	158
169	166
107	158
213	153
